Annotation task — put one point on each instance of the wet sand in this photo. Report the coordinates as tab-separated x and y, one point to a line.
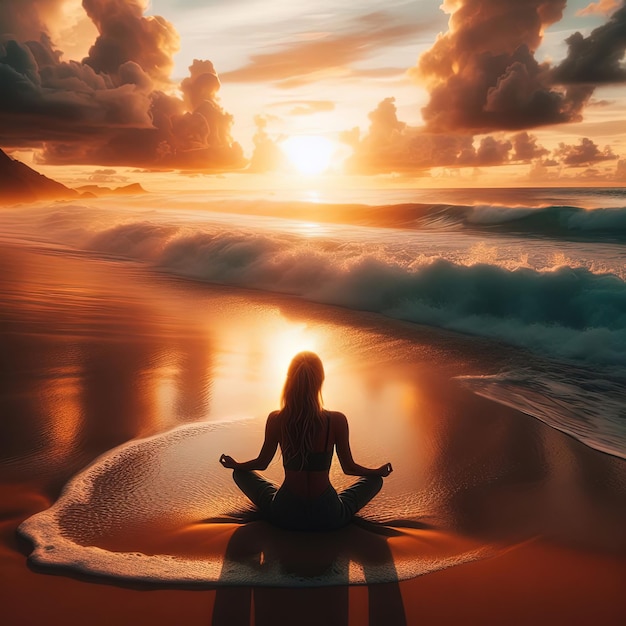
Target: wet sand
95	353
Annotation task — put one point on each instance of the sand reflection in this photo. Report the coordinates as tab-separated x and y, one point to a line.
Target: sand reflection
92	361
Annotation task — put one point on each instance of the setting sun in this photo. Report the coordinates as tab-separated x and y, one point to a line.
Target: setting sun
309	154
429	196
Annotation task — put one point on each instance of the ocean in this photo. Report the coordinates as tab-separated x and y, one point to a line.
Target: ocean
147	335
542	270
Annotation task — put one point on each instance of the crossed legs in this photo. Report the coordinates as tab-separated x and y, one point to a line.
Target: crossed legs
262	492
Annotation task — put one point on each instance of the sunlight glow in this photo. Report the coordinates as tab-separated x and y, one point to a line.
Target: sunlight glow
309	154
285	343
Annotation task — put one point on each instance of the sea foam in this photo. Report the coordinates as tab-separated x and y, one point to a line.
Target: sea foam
566	311
587	405
560	302
128	514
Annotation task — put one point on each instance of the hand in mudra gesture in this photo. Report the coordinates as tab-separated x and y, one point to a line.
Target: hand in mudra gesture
228	461
384	470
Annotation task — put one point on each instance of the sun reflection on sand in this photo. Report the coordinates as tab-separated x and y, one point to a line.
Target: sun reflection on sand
60	398
165	391
286	341
254	352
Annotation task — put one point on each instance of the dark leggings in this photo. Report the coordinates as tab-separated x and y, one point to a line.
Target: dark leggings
328	511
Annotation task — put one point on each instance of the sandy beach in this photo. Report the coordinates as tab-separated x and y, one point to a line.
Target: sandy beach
430	196
99	353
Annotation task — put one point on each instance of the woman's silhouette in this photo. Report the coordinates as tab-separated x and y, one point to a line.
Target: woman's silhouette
307	435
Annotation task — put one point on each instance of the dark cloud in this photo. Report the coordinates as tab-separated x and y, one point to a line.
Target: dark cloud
598	58
482	74
492	151
70	98
526	148
108	108
28	19
584	153
126	35
304	62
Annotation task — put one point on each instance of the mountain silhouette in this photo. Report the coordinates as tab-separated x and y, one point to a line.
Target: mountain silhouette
20	183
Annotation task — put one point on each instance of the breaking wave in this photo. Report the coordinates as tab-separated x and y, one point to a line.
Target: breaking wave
605	222
566	301
554	222
568	312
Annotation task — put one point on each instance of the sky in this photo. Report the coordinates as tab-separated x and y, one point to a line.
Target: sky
241	93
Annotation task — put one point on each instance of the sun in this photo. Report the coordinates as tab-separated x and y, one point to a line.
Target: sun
309	154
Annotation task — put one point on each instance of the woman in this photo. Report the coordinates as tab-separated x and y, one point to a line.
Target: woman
307	435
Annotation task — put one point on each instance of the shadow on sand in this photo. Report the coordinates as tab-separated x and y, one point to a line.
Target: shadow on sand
321	566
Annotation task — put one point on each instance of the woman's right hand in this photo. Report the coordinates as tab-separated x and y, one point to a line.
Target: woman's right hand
384	470
228	461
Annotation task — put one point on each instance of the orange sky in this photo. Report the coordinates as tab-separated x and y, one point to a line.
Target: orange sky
244	94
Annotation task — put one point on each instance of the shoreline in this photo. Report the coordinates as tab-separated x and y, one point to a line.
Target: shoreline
145	346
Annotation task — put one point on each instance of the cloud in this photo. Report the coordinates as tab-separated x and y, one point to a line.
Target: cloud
304	107
110	108
65	98
392	146
549	162
310	107
126	35
598	58
492	151
545	171
27	19
106	176
526	148
329	55
482	74
583	154
600	103
606	128
267	155
602	7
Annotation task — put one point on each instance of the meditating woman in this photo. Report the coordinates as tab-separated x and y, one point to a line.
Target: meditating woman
307	435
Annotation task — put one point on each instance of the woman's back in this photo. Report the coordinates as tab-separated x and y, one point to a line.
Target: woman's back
307	476
307	435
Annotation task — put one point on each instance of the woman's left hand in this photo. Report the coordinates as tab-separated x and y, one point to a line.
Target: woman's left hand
228	461
385	470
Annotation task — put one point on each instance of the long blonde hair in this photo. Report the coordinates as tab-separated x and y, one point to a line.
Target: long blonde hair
301	405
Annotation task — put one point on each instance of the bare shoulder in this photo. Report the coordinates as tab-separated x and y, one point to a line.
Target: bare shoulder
336	418
273	419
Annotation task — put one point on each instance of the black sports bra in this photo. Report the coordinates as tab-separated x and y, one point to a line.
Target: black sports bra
315	461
